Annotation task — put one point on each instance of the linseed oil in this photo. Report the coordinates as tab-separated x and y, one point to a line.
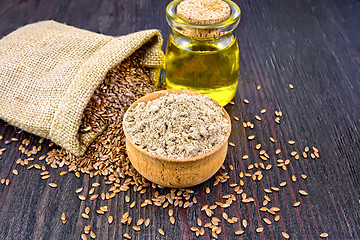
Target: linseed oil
202	52
207	66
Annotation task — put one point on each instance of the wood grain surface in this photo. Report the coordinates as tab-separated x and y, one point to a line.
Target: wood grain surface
313	45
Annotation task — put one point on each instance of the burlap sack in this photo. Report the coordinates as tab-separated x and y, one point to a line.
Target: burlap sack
49	71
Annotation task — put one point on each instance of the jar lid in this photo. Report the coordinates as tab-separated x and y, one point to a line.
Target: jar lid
203	11
203	18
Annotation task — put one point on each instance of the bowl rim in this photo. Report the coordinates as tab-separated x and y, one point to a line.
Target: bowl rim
167	159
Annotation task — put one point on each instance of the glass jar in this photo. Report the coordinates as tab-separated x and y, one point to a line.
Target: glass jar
203	57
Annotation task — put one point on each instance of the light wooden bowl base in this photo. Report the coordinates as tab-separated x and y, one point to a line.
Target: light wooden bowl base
176	174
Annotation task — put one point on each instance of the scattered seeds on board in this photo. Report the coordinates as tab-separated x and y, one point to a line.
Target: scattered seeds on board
87	210
161	231
251	137
244	223
324	235
277	120
282	184
285	235
275	189
267	190
266	220
147	222
93	197
127	236
136	228
63	218
82	198
140	221
304	193
45	177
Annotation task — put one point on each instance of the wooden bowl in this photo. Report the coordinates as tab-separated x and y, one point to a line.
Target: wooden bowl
171	172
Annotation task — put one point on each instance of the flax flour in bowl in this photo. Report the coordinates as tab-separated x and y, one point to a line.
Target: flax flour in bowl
176	138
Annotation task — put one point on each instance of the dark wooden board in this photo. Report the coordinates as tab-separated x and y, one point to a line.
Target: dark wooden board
313	45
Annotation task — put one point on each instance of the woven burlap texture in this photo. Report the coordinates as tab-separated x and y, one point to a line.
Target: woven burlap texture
49	71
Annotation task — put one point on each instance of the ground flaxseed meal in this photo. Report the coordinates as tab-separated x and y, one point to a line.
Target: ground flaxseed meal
177	125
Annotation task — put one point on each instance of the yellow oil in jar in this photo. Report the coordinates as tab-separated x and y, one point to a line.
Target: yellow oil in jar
210	67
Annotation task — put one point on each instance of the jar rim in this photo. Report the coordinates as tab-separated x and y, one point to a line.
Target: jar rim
228	25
